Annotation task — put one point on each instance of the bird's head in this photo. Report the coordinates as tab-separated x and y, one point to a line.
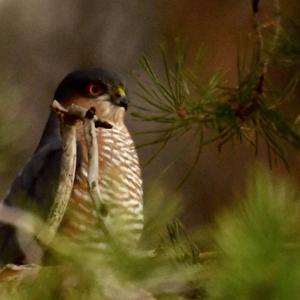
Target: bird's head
95	87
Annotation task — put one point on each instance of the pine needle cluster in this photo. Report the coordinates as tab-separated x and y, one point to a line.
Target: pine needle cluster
254	254
217	114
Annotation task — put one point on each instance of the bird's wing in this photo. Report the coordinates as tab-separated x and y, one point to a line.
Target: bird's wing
35	184
33	190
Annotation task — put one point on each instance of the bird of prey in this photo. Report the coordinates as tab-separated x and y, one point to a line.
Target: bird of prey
120	180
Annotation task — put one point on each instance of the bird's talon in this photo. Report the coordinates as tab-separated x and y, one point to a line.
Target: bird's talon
103	124
90	113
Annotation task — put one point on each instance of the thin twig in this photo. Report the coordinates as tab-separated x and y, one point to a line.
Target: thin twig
260	49
277	29
18	218
93	168
209	255
75	112
11	272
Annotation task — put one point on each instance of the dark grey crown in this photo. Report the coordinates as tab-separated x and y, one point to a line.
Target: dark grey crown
73	84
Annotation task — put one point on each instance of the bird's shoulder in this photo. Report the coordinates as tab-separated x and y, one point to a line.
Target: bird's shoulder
35	182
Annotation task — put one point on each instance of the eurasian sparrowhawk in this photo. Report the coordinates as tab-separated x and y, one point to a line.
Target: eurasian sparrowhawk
119	172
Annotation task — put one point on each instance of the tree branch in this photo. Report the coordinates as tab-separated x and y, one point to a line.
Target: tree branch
93	168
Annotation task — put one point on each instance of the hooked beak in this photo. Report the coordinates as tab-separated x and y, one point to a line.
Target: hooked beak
122	101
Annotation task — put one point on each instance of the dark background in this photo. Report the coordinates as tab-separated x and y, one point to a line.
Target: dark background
41	41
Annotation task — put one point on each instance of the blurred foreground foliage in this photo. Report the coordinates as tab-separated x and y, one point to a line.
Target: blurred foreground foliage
259	245
254	254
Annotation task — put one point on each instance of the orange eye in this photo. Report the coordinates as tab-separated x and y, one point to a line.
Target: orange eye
94	89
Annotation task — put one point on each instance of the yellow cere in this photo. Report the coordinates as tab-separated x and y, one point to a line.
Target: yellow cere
121	91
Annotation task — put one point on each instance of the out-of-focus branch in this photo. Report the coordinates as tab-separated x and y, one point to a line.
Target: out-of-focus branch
263	58
213	255
13	272
18	218
257	30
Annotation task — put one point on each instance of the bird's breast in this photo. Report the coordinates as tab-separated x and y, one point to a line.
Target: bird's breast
120	188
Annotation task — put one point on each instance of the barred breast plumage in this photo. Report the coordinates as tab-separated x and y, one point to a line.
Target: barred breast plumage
121	190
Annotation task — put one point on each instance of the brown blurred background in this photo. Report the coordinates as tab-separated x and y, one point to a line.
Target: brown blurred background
41	41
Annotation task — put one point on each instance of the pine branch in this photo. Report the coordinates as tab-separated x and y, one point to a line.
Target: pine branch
179	99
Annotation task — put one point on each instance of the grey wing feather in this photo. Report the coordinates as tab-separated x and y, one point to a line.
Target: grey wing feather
33	190
35	184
